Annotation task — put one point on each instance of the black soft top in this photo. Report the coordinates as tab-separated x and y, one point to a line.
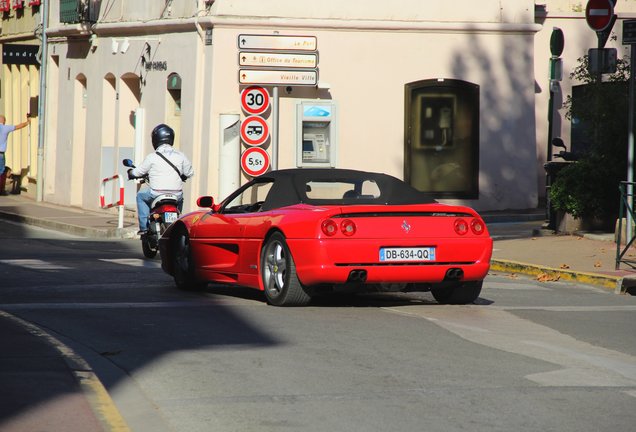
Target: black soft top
294	186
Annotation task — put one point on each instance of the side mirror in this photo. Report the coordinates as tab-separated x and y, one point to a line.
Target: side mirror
558	142
128	163
206	202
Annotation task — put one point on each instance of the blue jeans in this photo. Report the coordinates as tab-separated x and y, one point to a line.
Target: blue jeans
145	197
2	163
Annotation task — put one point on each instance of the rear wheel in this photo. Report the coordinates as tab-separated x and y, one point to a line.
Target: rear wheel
462	293
278	273
184	264
147	246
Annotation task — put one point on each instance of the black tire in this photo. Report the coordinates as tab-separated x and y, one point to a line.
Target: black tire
462	293
183	263
146	247
278	273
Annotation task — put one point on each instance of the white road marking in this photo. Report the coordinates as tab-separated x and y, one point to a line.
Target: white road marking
34	264
134	262
580	363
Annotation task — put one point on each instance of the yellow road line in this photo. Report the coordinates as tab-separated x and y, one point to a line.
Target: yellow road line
99	400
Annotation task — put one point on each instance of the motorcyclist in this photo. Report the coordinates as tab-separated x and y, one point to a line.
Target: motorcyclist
162	176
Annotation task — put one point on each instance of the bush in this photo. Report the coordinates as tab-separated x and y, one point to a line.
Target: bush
587	189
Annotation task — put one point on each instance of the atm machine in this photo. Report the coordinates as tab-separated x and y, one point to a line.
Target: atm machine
316	133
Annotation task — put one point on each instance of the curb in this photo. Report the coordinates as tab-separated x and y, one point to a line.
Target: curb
96	394
614	283
80	231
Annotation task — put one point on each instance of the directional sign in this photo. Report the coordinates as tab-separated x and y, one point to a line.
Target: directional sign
278	77
254	131
277	42
255	100
255	161
282	60
599	13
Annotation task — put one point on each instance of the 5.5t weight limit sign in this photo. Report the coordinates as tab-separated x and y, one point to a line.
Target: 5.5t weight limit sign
255	100
255	161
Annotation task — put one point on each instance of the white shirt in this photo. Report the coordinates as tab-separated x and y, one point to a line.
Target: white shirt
164	178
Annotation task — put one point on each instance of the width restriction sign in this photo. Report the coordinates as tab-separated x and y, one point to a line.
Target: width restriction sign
255	100
255	161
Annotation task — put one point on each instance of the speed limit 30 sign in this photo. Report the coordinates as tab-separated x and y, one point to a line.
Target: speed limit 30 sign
255	161
255	100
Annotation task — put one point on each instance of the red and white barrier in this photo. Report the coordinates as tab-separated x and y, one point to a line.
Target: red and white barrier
119	203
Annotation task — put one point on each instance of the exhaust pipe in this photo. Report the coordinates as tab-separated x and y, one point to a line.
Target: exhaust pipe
454	274
357	276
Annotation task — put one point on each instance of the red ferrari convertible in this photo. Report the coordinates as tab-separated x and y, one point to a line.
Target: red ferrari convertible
297	233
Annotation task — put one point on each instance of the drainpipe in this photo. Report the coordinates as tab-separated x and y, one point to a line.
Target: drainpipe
39	194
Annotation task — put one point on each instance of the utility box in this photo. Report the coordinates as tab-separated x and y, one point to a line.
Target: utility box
316	133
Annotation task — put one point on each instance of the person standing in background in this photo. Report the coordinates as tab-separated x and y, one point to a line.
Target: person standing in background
5	130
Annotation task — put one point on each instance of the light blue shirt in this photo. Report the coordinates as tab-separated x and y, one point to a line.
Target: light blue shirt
5	130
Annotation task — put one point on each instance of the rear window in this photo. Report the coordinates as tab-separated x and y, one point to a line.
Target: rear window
338	190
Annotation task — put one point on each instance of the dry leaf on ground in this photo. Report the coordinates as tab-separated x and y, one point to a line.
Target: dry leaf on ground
598	264
564	266
545	277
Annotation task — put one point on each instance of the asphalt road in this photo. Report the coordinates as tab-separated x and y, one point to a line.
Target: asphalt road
528	356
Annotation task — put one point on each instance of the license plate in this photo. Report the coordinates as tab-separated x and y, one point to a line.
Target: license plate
169	217
398	254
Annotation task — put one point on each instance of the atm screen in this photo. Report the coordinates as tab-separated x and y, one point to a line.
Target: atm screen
308	146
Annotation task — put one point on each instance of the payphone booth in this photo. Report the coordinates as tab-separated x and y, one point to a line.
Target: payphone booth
316	133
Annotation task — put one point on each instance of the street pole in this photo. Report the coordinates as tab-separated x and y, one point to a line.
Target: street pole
630	147
39	189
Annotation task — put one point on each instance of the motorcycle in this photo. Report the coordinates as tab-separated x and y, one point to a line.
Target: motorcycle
164	210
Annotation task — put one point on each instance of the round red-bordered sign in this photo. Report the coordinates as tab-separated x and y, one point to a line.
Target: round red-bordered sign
254	131
255	161
255	100
599	13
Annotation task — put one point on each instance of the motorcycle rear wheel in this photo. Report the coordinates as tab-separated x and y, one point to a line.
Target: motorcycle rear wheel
146	247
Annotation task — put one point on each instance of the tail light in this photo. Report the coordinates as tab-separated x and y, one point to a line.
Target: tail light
461	226
477	226
329	227
348	227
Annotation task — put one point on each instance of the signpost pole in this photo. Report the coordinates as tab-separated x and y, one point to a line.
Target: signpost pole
630	147
274	133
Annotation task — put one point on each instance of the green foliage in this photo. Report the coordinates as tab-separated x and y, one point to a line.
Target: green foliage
589	187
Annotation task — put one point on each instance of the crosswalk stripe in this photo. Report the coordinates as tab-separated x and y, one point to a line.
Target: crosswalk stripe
134	262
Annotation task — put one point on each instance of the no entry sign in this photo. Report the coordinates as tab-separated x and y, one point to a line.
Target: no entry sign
255	161
599	13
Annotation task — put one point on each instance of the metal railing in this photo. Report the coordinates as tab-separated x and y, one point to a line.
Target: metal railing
626	208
